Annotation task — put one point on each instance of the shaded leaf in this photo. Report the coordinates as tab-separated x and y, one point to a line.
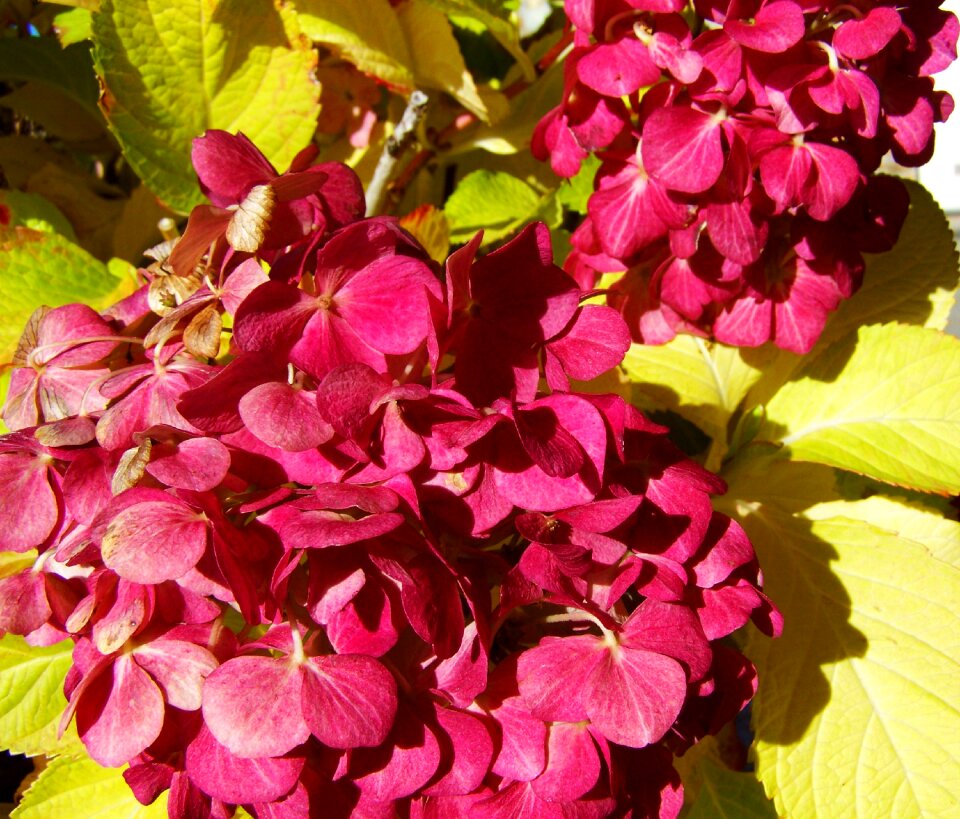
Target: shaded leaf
42	60
726	794
33	211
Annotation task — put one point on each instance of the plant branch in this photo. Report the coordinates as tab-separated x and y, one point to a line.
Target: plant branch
396	143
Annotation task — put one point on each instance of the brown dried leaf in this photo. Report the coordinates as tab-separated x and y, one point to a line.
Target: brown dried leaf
248	227
133	464
202	335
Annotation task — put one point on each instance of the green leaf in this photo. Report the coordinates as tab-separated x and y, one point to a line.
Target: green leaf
32	211
491	14
438	63
68	783
573	193
493	201
171	69
73	25
909	521
913	283
31	697
884	403
702	381
45	268
42	60
726	794
366	34
858	710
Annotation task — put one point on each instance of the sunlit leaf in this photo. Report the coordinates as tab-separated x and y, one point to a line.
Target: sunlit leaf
31	697
366	34
494	16
908	521
702	381
71	784
429	226
44	268
885	403
913	283
575	192
858	712
73	25
495	202
436	59
173	68
33	211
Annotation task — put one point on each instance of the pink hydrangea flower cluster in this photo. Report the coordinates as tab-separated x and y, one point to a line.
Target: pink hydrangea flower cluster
739	144
384	560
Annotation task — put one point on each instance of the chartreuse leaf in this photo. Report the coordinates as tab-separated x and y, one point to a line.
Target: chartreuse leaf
495	18
173	68
31	697
702	381
75	786
574	193
885	403
908	521
495	202
45	268
858	710
438	63
726	794
914	282
73	25
366	34
32	211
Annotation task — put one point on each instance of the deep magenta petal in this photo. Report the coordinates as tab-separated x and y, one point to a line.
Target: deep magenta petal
860	39
120	714
682	148
284	416
633	696
228	166
224	776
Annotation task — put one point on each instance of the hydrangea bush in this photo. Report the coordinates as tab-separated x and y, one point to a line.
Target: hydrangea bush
423	483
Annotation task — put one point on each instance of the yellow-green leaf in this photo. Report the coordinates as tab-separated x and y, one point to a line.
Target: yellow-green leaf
31	697
437	61
908	521
493	15
366	34
33	211
726	794
45	268
73	25
171	69
858	711
492	201
71	786
885	403
702	381
913	283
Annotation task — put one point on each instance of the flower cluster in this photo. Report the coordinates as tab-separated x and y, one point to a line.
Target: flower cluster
383	558
737	190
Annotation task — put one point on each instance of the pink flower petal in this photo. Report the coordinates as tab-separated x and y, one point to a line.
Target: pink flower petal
199	464
682	148
284	416
179	667
633	696
120	714
348	700
26	485
155	541
573	764
252	706
235	780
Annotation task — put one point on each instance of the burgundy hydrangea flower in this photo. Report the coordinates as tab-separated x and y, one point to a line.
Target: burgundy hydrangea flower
379	558
722	152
